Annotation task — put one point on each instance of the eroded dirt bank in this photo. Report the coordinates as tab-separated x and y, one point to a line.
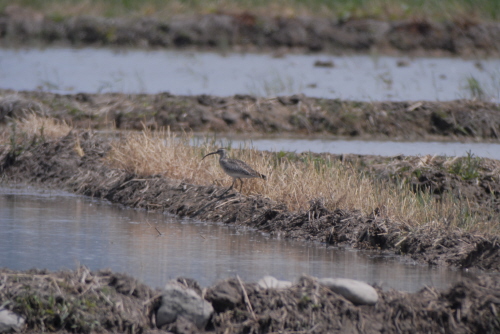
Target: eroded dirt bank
84	301
249	32
58	163
454	120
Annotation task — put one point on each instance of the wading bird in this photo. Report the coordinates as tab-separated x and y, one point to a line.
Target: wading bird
235	168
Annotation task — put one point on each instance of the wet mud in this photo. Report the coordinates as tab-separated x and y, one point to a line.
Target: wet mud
248	32
244	114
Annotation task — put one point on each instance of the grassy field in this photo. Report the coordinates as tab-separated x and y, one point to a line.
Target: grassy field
292	180
460	10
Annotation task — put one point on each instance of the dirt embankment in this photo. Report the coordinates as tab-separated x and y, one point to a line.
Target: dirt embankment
83	301
248	32
455	120
57	163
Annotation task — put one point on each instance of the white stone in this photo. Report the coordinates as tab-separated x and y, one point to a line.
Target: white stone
9	321
178	300
269	282
355	291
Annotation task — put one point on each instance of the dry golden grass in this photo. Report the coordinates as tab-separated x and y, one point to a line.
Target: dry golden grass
43	126
34	125
291	181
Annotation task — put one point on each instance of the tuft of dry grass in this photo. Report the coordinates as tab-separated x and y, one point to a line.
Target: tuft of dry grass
34	125
161	152
43	126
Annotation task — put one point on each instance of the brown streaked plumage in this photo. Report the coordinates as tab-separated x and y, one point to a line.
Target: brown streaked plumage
235	168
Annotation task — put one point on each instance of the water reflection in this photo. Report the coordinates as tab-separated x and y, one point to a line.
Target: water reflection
56	230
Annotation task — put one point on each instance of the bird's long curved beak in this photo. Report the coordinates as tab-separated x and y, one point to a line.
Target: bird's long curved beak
208	155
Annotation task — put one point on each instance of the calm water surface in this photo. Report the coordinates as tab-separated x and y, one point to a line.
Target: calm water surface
364	78
384	148
56	230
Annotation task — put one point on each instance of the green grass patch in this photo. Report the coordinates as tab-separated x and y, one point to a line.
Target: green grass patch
475	88
467	167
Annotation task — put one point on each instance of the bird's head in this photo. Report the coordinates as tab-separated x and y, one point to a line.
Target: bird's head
221	152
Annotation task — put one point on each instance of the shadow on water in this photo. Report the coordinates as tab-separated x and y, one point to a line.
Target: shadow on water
57	230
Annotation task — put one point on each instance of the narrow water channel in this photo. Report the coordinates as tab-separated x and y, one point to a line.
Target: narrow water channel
57	230
363	77
383	148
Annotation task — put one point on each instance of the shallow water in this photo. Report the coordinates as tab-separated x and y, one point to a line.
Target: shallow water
57	230
364	78
383	148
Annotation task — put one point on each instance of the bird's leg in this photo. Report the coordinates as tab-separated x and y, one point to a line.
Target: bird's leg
241	184
234	180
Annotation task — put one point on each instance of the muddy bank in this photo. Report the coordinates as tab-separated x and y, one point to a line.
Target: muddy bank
59	164
87	301
249	32
297	115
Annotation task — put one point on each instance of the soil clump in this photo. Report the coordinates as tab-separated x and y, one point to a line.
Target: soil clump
245	32
243	114
78	301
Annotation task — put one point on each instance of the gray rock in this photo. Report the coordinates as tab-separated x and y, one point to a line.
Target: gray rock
225	295
269	282
355	291
9	321
179	301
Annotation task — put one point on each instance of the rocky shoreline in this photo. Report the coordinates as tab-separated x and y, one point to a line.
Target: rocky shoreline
85	301
247	32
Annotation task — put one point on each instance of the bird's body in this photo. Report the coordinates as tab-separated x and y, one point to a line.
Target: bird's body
235	168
